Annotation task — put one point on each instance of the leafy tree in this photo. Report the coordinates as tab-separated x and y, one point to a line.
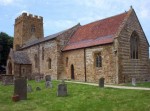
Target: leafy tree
6	42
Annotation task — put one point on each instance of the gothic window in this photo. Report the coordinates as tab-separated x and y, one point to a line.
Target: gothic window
98	60
66	61
134	53
36	60
42	53
32	28
49	63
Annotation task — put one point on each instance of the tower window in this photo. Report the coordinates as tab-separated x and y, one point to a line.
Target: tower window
32	28
134	40
98	60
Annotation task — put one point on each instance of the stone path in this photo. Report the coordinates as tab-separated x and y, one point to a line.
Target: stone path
112	86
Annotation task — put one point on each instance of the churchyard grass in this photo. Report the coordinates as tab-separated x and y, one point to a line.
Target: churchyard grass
144	84
80	98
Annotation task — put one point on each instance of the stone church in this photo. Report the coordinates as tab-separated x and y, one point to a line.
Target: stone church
115	48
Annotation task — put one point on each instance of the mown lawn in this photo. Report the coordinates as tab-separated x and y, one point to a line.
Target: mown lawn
80	98
144	84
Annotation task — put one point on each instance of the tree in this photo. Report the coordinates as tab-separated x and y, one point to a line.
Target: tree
6	42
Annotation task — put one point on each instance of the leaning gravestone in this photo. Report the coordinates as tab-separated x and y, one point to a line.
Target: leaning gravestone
20	88
48	78
48	84
29	88
133	81
62	89
101	82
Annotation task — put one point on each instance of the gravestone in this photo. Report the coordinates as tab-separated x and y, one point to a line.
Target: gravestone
48	84
29	88
48	78
20	88
7	79
101	82
62	89
37	78
38	89
133	81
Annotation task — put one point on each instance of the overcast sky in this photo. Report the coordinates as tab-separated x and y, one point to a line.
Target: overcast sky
62	14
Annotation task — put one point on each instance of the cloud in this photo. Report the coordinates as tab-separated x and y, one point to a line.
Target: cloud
6	2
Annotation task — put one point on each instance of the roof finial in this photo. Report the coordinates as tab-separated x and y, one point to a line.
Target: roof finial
131	7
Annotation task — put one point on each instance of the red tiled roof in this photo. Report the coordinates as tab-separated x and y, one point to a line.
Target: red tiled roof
96	33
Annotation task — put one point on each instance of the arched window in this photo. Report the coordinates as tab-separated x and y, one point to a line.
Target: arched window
49	63
32	28
134	41
42	53
98	60
36	60
66	61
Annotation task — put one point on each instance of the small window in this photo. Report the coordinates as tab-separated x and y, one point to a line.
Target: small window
98	60
32	28
42	53
36	60
49	63
66	61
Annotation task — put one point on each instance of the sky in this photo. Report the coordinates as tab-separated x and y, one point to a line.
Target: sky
59	15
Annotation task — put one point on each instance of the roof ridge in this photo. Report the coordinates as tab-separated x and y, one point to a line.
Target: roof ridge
105	18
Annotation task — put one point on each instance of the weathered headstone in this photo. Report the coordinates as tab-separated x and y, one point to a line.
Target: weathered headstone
7	79
62	89
133	81
101	82
48	84
20	88
37	78
48	78
38	89
29	88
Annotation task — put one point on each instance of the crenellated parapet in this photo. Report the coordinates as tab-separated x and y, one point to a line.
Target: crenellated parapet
24	16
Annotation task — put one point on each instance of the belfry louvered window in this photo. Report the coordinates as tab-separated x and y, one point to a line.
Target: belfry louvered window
134	42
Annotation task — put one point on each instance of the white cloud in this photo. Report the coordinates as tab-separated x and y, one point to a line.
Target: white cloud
6	2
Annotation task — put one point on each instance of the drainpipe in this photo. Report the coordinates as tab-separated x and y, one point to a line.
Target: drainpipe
85	64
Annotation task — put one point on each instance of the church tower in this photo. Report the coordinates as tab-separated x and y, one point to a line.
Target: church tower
27	28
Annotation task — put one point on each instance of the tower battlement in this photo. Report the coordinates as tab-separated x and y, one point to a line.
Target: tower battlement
28	16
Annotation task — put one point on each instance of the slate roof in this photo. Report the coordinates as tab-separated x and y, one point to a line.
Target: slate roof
96	33
46	38
20	57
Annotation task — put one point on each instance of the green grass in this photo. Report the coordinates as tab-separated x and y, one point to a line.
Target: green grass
144	84
80	98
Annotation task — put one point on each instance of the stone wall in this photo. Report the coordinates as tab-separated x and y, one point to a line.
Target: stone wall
108	69
50	52
75	58
133	68
93	73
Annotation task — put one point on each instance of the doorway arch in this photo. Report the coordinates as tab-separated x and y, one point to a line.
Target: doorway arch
9	68
72	72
